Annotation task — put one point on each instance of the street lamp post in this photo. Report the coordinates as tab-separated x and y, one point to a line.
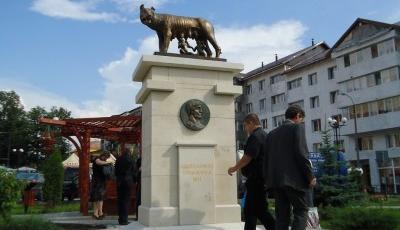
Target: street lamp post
336	124
355	127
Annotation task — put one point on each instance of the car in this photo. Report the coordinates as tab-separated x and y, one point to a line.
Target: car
33	178
70	184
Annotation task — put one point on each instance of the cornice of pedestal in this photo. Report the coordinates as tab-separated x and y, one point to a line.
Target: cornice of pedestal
148	61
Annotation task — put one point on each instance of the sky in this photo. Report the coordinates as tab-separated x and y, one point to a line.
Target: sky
80	54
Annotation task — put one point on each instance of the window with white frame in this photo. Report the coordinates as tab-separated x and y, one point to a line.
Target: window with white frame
248	89
331	72
262	103
312	79
316	125
264	123
275	79
249	107
333	96
278	99
366	143
294	84
314	102
316	147
278	120
261	85
299	103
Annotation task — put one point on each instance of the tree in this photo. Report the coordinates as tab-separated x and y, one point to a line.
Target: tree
333	188
13	128
54	175
21	130
10	192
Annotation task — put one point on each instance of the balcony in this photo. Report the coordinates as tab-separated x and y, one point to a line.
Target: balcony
369	65
373	124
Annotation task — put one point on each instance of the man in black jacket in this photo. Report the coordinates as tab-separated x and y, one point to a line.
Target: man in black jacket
288	171
124	171
256	206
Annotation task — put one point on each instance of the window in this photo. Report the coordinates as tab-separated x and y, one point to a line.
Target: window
264	123
385	47
278	99
388	105
312	79
346	60
238	126
314	102
262	104
333	96
278	120
331	72
374	51
249	107
365	110
397	44
337	117
294	84
261	85
238	108
299	103
373	108
316	147
359	111
247	89
276	79
381	107
394	74
389	141
316	125
397	139
378	79
365	143
396	103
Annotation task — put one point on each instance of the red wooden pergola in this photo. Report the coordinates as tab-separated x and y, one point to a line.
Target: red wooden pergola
124	129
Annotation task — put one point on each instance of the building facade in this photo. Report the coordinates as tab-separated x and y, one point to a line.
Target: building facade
362	67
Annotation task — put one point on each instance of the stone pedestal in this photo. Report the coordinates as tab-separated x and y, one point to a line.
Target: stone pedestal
184	172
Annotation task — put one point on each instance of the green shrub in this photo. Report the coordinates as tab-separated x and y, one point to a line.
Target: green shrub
10	192
363	219
28	224
54	175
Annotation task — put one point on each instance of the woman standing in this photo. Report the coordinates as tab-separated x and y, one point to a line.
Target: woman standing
99	185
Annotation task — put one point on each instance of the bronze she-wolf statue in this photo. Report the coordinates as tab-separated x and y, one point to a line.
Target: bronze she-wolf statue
169	27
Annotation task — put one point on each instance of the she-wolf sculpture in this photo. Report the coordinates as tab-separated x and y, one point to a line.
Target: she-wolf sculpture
169	27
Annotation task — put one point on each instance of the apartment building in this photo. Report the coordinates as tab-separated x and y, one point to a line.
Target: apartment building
364	64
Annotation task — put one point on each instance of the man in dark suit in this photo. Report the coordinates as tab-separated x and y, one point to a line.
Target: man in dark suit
256	206
124	171
288	171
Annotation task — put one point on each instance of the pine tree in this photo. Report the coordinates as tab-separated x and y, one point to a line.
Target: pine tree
333	188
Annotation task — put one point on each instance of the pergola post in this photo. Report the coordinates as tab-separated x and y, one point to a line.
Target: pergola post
84	179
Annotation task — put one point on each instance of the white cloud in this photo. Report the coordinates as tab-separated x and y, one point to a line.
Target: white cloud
248	45
252	45
86	10
82	10
133	5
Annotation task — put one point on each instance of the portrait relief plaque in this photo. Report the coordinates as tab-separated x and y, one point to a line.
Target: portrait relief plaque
195	114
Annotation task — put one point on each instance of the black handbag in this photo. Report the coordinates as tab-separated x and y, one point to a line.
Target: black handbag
108	171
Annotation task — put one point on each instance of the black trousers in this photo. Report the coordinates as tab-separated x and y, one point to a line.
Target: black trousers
256	206
285	199
124	201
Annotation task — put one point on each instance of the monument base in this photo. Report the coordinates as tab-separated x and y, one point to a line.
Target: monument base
225	226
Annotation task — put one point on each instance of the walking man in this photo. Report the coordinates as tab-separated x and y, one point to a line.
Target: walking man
256	206
287	170
124	171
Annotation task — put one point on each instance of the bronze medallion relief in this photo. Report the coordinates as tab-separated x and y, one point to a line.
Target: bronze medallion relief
195	114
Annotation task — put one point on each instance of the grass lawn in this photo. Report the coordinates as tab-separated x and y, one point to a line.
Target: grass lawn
40	208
